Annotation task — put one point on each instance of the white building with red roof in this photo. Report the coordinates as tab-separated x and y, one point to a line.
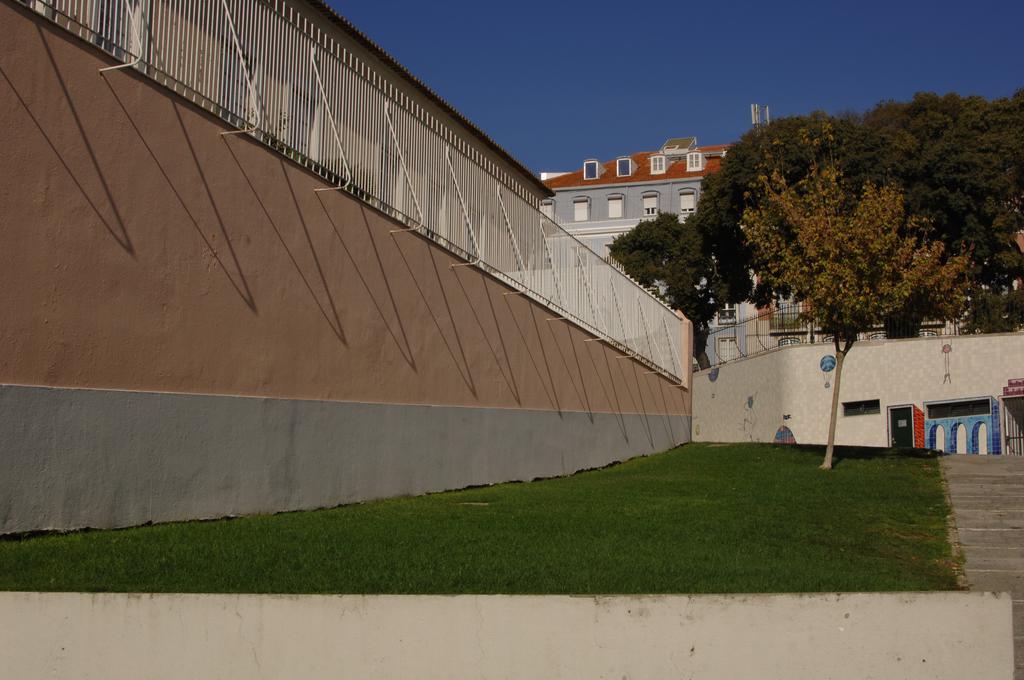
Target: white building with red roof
602	200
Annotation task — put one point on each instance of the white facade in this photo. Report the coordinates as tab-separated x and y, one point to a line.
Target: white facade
750	399
603	200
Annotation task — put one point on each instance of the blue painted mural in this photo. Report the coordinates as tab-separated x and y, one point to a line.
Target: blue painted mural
784	435
980	430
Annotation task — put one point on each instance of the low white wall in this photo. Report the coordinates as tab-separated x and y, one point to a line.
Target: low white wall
113	637
748	398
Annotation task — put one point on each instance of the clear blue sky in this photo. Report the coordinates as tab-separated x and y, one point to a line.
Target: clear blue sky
558	81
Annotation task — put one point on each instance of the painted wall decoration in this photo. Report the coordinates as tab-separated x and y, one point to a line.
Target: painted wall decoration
827	364
946	350
749	417
784	435
995	432
918	428
980	433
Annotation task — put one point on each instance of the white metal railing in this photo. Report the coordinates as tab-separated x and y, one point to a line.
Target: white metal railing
274	71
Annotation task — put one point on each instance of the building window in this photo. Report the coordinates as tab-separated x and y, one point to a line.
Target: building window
694	162
548	208
657	165
687	202
960	409
614	207
590	169
727	349
650	205
861	408
581	209
624	167
727	314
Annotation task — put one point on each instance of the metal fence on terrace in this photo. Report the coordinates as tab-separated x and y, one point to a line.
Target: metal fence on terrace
268	68
786	324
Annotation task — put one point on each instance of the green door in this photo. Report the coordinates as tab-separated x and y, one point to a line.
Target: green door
901	426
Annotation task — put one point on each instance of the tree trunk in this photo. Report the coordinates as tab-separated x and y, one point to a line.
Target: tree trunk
827	464
700	344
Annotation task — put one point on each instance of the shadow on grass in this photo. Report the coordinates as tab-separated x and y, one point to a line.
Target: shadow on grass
864	452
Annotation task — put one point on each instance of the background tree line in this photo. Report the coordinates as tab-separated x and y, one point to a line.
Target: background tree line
958	162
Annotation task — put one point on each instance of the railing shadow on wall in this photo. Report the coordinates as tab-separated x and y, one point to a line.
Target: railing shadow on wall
267	69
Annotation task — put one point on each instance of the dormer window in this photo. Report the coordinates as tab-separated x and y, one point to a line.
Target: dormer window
590	169
694	161
657	165
624	167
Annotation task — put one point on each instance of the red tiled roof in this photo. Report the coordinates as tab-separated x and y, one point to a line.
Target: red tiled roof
642	173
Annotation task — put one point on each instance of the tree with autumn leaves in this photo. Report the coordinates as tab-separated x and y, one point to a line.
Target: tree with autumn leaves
853	254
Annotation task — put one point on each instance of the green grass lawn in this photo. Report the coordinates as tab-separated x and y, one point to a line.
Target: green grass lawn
702	518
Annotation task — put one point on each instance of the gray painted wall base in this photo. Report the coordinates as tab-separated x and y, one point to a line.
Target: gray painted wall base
74	458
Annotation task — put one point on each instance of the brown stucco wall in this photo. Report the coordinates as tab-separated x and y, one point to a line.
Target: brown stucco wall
142	250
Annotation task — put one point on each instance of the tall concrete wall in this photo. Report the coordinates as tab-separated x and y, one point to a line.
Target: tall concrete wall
141	251
748	399
930	636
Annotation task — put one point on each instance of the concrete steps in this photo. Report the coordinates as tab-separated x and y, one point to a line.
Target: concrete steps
987	494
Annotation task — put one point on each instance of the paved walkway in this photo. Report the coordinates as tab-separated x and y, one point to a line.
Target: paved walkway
988	501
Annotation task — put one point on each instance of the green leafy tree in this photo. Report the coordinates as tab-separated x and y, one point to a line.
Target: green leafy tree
855	257
960	161
726	194
667	255
994	312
